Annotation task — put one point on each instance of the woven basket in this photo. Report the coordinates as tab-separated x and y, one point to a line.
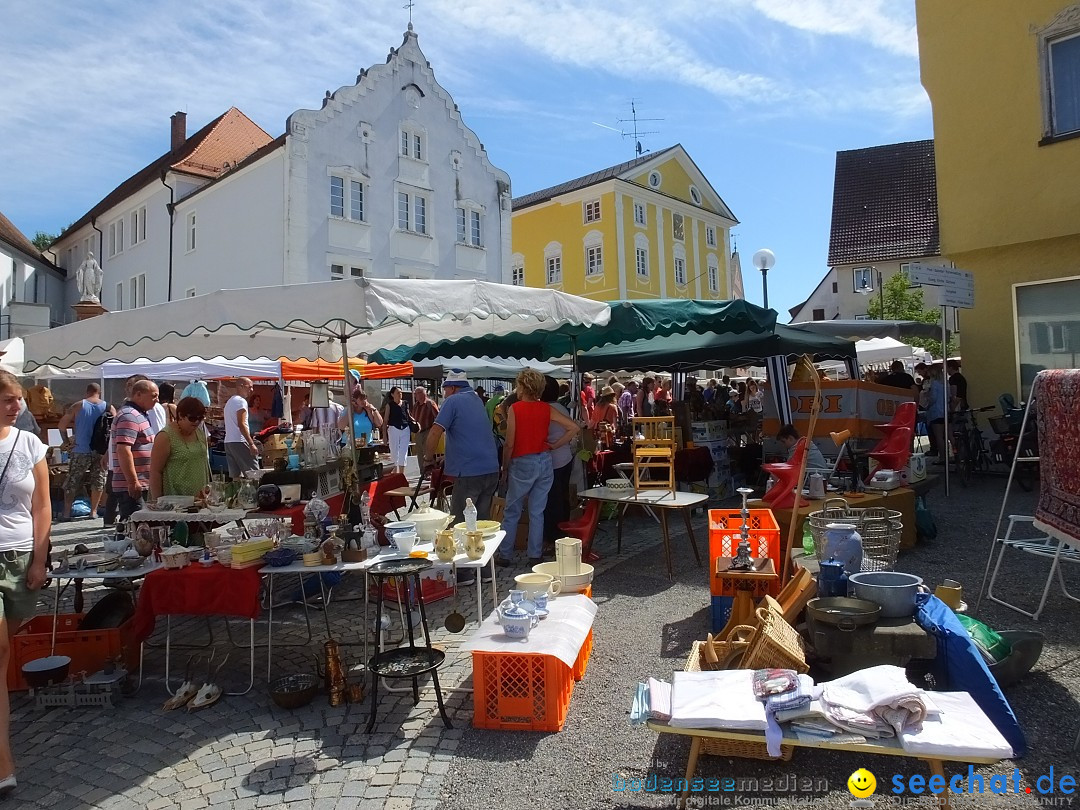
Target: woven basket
730	748
775	644
878	527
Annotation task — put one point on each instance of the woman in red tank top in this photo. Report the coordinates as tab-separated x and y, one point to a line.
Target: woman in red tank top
527	472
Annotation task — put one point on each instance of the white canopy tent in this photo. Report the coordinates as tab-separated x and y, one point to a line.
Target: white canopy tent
886	349
311	321
487	368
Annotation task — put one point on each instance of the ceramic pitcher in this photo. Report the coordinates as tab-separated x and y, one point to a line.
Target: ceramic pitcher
474	545
445	547
843	543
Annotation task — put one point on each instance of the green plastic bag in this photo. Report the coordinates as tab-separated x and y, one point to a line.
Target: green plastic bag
992	646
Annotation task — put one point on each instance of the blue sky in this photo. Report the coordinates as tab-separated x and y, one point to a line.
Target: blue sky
762	93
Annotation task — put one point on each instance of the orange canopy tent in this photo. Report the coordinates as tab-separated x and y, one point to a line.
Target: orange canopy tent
304	370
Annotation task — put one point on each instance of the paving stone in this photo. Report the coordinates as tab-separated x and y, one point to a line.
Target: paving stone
193	804
410	778
383	779
377	792
222	797
298	794
354	789
399	803
403	791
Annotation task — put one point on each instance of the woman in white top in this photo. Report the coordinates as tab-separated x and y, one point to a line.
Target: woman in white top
25	520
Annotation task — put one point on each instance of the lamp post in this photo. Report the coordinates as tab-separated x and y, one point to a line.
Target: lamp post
763	260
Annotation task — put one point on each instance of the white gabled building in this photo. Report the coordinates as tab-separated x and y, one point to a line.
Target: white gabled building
385	180
31	287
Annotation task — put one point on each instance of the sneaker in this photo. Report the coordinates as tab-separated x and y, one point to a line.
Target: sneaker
485	574
7	785
503	562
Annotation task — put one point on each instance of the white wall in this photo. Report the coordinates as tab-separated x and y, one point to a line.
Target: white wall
239	231
358	134
17	274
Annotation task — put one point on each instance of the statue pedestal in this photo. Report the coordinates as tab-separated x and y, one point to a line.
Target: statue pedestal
87	309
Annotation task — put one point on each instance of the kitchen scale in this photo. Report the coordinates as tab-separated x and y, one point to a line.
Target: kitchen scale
885	480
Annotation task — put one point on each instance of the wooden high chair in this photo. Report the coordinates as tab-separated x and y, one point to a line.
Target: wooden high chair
653	453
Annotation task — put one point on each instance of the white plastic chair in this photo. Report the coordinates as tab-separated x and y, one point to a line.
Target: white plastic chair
1056	549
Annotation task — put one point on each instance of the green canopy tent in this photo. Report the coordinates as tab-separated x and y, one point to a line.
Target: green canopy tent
630	321
691	351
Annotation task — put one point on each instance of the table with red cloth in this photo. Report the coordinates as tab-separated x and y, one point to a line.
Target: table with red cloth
196	590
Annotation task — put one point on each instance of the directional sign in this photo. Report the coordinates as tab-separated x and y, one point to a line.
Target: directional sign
955	297
941	276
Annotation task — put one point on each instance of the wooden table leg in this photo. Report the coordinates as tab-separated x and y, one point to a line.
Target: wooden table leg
938	769
667	543
691	767
690	531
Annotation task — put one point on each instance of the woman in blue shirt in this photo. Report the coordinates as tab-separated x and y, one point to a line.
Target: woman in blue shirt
364	415
935	412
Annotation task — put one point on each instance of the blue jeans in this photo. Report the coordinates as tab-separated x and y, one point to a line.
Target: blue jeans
530	477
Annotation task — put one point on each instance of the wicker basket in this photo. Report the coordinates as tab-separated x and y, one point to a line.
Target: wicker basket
731	748
878	527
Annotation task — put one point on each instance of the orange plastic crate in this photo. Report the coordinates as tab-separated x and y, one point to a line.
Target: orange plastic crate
88	650
724	534
583	658
520	691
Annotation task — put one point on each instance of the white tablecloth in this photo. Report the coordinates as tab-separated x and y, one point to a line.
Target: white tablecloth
561	634
202	516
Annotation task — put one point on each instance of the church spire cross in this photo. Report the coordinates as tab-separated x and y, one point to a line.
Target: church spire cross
409	5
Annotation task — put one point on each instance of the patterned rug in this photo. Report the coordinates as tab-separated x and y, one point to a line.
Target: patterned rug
1057	401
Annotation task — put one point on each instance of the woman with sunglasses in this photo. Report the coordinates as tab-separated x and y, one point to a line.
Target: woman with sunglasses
179	464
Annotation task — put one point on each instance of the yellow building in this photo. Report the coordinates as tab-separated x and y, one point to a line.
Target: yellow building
1004	81
652	227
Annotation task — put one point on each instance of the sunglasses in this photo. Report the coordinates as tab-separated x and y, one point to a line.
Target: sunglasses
194	419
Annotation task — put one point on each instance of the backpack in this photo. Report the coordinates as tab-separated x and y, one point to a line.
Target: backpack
99	438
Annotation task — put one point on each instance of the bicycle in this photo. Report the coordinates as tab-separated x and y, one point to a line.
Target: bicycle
969	446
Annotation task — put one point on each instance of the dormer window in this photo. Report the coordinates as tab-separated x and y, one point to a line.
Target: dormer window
591	211
413	143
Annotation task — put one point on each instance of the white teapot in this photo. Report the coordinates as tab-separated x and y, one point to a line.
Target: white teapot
429	521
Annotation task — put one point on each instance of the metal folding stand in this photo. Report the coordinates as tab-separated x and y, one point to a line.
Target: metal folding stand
168	645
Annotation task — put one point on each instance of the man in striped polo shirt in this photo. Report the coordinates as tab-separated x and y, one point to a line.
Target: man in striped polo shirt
133	440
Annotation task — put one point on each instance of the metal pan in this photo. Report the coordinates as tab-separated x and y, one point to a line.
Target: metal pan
843	612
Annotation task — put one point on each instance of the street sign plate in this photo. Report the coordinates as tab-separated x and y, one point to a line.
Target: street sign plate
948	277
958	297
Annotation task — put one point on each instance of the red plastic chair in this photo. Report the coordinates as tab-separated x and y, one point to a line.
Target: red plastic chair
782	493
905	416
584	529
896	451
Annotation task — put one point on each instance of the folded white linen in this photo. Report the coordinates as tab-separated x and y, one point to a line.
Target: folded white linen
722	699
960	729
659	700
867	689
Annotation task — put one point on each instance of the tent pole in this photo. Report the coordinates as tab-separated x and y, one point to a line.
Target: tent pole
948	402
348	404
575	387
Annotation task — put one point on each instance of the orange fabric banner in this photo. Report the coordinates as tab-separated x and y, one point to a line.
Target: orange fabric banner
846	405
297	370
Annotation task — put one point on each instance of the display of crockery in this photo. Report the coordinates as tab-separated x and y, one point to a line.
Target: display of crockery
543	613
488	527
618	484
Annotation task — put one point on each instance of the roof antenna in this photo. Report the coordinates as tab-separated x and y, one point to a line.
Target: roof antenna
635	133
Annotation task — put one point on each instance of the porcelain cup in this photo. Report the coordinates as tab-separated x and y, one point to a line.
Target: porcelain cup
534	584
517	595
405	541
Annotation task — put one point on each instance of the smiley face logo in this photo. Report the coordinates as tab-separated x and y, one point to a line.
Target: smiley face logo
862	784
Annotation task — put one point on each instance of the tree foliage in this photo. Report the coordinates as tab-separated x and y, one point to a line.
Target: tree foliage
42	240
904	303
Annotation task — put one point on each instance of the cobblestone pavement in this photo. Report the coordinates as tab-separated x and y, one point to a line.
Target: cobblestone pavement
244	751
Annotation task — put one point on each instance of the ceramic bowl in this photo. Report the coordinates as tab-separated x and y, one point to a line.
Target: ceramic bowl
397	527
570	583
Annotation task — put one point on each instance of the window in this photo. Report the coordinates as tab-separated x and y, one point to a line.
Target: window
116	237
138	225
356	200
819	315
137	291
337	272
642	262
680	271
73	257
835	288
88	246
190	292
412	212
419	214
191	231
554	269
594	261
1063	64
695	195
517	275
1047	327
714	275
469	228
412	144
337	196
402	211
591	211
474	230
461	227
120	296
862	317
639	214
677	227
655	179
710	236
862	279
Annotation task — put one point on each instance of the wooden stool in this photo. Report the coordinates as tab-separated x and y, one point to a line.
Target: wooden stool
653	453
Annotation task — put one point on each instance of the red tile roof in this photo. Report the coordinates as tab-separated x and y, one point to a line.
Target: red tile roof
885	204
230	137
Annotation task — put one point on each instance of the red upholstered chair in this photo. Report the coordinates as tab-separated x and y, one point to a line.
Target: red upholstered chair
904	417
584	529
782	493
896	451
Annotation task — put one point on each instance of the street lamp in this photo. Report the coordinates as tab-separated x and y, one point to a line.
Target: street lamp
865	289
763	260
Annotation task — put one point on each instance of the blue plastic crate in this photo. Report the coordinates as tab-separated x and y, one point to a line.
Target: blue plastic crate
721	612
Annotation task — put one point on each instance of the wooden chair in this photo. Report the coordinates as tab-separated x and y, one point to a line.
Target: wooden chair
653	453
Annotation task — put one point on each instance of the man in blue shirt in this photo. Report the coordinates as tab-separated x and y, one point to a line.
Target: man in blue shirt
471	457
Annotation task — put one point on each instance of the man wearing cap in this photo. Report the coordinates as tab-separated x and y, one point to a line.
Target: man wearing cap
497	396
471	457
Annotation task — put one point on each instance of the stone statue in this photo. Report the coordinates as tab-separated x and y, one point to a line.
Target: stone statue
88	277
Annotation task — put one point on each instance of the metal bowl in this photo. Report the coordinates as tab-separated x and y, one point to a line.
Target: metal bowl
1027	646
42	672
294	691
